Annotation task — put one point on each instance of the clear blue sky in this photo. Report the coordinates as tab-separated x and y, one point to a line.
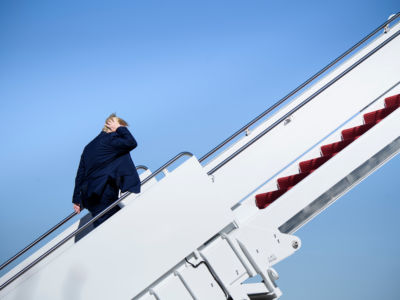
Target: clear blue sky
185	74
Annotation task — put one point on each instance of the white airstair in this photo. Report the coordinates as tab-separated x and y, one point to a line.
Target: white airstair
212	223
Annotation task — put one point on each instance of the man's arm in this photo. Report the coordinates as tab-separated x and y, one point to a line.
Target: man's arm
123	141
76	198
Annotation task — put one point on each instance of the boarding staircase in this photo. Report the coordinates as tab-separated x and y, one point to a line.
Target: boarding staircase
212	223
328	151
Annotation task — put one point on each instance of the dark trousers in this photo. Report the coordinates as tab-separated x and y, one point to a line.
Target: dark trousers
99	203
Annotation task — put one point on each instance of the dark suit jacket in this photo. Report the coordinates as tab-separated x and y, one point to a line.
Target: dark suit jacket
106	157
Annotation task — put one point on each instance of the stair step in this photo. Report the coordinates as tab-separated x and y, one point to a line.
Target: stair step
328	151
356	131
315	163
378	115
286	182
265	199
393	101
333	148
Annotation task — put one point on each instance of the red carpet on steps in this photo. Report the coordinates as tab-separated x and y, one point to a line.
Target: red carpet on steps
328	151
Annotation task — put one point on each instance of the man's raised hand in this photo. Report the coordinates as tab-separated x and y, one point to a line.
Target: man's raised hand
113	124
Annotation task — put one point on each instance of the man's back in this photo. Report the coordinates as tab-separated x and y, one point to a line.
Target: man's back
106	160
107	156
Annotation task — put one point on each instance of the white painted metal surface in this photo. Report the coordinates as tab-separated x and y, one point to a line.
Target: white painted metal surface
332	172
248	209
171	288
227	266
86	217
147	237
200	282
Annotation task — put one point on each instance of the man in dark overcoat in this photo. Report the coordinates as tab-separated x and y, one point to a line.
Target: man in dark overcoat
105	168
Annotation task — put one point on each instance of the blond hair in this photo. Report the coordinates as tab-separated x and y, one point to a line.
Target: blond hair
122	122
